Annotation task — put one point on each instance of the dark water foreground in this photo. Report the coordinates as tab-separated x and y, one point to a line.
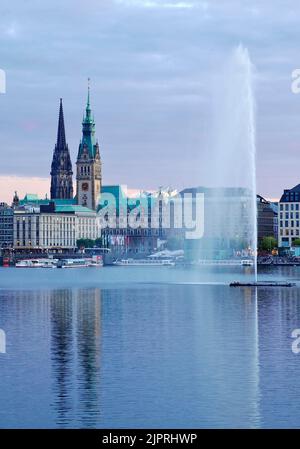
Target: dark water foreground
125	348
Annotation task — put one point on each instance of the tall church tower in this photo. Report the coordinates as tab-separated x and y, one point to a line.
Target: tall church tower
61	168
88	163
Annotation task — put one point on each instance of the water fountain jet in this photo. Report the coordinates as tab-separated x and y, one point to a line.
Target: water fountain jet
230	197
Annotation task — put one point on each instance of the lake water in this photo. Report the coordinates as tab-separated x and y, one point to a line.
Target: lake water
148	347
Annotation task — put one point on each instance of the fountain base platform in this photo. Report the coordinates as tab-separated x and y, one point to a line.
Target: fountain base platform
262	284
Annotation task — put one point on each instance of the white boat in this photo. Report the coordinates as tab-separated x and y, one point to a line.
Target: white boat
37	263
225	262
30	263
144	262
80	263
49	263
247	263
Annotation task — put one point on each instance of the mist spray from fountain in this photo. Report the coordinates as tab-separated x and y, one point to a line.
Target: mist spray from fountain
230	211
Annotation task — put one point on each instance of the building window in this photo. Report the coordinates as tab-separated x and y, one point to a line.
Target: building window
281	206
286	207
281	224
286	224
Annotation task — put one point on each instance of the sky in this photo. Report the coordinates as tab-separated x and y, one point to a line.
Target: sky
153	65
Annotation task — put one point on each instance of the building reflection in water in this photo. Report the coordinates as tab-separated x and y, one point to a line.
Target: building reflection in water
155	356
180	356
75	352
278	316
88	321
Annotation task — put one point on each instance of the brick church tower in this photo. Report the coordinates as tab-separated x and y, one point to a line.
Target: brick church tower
61	168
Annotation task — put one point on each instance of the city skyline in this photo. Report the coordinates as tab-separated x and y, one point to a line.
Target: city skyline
152	97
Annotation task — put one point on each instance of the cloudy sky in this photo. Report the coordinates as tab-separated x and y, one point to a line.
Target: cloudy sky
152	64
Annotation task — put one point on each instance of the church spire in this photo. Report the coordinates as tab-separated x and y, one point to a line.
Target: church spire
61	135
61	168
88	97
88	119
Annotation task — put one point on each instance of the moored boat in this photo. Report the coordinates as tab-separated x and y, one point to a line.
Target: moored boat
95	262
144	262
37	263
247	263
30	263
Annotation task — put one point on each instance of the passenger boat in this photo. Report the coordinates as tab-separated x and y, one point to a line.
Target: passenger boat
225	262
144	262
95	262
247	263
30	263
49	263
37	263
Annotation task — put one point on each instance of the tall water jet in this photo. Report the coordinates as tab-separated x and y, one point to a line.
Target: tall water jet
230	196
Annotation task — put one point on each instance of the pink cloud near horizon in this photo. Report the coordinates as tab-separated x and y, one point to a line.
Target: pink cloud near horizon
23	185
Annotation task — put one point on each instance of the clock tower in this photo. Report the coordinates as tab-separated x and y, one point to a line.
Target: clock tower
88	163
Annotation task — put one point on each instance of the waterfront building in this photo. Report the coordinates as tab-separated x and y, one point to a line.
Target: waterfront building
289	217
267	224
137	227
6	226
61	168
52	227
88	163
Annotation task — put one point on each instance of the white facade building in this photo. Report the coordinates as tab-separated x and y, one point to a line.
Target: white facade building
289	217
51	228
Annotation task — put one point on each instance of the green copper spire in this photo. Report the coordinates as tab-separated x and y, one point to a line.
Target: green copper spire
88	97
88	112
88	129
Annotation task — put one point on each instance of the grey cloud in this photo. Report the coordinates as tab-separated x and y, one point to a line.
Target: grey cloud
152	71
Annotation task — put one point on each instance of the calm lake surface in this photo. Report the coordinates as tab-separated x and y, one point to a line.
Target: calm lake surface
148	347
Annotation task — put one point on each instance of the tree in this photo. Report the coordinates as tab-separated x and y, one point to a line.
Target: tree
85	243
296	242
268	243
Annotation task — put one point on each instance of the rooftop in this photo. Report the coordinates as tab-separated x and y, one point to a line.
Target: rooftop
69	208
